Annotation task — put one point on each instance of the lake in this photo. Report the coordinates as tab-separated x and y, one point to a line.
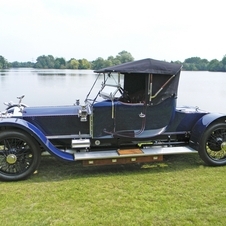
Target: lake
205	90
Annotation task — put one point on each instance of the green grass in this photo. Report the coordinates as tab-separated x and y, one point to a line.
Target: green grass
179	191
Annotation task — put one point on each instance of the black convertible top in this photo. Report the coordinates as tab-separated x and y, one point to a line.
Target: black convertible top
144	66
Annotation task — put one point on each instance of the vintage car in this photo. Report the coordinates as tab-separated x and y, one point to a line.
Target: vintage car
132	119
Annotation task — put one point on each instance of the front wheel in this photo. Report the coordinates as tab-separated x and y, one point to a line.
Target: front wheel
19	155
212	149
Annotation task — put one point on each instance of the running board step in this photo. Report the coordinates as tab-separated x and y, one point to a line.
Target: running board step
124	156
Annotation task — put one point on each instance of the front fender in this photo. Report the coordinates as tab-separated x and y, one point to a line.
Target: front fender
37	134
200	127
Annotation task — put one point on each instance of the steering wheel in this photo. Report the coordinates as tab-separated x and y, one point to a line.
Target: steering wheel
125	95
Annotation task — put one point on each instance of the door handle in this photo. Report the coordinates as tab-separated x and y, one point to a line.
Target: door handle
141	115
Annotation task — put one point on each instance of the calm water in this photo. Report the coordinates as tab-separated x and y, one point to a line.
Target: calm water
207	90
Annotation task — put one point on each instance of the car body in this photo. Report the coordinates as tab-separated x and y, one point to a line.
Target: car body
133	118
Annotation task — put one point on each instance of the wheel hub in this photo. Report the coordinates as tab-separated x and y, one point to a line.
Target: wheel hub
11	158
223	146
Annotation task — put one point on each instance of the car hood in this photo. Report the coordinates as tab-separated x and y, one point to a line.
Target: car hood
51	111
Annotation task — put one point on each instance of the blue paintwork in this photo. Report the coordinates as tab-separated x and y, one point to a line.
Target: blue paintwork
39	136
185	118
201	125
57	120
126	118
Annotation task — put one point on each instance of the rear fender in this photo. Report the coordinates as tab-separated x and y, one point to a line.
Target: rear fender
37	134
201	125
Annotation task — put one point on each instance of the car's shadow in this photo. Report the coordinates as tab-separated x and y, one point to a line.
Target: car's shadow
51	169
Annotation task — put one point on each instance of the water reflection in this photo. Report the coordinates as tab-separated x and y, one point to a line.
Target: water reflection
58	74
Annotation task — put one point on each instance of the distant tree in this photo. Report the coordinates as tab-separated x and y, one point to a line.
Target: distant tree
72	64
214	65
189	64
84	64
98	63
224	60
224	63
60	63
17	64
124	57
50	61
45	62
57	64
195	64
114	61
202	65
30	64
108	63
111	60
177	62
3	63
189	67
192	60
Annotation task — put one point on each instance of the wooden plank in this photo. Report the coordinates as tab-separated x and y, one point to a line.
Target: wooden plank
125	160
129	151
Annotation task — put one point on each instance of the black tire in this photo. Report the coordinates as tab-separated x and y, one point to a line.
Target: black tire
212	149
19	155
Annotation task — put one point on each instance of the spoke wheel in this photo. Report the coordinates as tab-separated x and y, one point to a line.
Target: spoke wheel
19	155
213	145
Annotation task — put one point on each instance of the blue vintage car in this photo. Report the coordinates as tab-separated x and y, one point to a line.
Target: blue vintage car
132	119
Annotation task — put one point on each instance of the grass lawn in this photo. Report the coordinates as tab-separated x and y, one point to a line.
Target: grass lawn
181	190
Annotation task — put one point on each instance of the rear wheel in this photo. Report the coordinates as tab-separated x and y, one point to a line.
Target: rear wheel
19	155
213	145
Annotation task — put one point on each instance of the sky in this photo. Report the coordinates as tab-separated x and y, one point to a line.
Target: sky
164	29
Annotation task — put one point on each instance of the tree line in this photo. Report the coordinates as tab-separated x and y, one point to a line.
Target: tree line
49	62
198	64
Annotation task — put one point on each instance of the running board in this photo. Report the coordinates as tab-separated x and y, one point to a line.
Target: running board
124	156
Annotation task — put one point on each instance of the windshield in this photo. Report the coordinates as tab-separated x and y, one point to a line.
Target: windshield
110	87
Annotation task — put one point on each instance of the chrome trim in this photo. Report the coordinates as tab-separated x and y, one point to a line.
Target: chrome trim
72	136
